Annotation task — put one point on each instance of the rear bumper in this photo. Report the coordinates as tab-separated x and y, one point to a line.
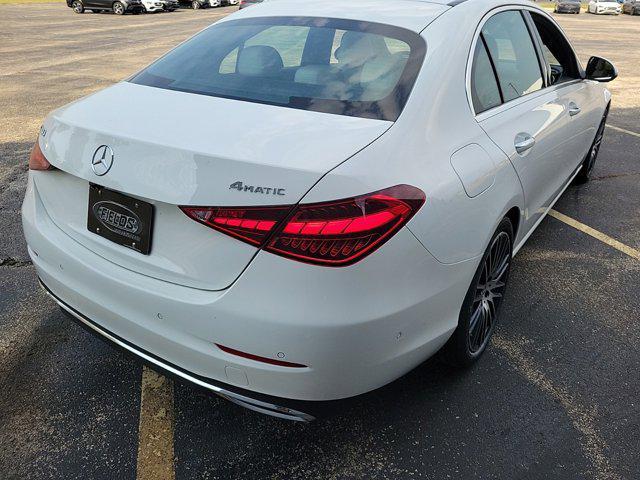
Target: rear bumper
259	403
355	329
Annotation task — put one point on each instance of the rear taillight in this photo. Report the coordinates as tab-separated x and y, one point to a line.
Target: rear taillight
37	160
252	224
336	233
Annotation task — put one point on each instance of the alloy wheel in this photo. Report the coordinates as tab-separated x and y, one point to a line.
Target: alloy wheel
489	292
595	149
77	7
118	8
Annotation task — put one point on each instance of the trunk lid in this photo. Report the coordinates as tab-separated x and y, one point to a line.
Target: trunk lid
173	148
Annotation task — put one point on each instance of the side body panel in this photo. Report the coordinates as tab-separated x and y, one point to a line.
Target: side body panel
417	150
543	170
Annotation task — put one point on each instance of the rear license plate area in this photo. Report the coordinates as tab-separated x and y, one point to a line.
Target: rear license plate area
119	218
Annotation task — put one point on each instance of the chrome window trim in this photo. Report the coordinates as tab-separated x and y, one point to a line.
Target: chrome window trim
525	98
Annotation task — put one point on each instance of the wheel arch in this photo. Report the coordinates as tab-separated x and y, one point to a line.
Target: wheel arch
514	214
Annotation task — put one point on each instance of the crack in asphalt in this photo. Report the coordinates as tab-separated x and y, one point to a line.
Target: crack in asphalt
14	262
615	175
582	417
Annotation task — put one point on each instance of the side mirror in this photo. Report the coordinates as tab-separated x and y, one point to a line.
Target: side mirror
601	70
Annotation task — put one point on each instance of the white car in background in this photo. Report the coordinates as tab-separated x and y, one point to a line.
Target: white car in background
604	7
377	170
152	6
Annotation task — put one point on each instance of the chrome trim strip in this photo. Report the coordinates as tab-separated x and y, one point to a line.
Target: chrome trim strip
246	402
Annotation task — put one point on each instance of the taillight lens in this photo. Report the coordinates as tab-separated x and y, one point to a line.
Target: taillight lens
252	224
37	160
336	233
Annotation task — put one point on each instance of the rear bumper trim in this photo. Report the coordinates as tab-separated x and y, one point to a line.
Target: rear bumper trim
257	405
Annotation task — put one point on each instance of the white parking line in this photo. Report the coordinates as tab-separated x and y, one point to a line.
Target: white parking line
155	431
583	418
623	130
612	242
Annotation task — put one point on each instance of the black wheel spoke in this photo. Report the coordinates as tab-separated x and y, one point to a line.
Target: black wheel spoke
473	324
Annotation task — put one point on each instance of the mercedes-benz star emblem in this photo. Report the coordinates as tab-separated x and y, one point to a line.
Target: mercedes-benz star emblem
102	160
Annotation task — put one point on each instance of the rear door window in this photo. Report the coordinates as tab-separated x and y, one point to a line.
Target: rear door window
513	53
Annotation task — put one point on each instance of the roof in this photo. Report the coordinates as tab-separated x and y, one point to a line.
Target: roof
410	14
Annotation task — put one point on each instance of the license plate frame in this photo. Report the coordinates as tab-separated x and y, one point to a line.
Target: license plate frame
121	219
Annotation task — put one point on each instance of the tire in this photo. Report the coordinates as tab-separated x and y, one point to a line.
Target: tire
77	6
589	162
195	5
481	308
118	8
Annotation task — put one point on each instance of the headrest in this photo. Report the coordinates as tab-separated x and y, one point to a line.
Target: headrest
358	47
388	67
260	61
313	74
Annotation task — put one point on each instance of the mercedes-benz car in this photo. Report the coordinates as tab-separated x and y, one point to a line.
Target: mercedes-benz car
119	7
152	6
632	7
356	211
198	4
604	7
567	6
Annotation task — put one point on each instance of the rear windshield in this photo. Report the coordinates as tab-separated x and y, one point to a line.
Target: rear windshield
327	65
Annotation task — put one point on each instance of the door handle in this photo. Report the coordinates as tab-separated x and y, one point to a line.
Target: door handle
524	142
573	109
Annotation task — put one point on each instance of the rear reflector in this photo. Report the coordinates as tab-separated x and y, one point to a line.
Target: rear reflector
258	358
336	233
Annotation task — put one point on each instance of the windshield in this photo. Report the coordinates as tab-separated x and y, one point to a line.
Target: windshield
326	65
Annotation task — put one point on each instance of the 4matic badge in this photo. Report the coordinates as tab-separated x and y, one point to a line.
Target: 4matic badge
241	187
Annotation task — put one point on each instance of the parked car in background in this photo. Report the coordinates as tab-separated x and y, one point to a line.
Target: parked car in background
198	4
567	6
632	7
604	7
248	3
119	7
152	6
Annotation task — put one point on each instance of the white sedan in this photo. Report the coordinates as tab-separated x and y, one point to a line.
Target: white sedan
356	210
604	7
